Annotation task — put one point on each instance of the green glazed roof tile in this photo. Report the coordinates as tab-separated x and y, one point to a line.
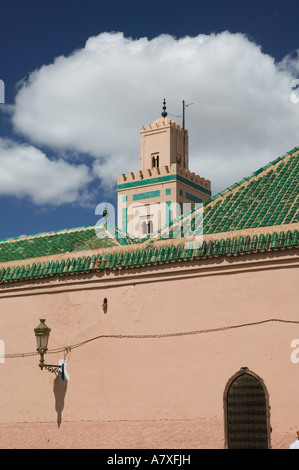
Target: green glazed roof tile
269	196
70	241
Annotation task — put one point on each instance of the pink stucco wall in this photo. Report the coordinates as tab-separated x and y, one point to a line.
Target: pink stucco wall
147	392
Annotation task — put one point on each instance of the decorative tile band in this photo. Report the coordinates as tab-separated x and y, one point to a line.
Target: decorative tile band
193	198
193	185
232	246
147	195
163	179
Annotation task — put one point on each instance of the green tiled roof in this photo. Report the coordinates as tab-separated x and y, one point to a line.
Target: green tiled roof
69	241
151	256
268	197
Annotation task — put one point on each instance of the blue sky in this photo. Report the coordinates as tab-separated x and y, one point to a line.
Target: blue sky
81	77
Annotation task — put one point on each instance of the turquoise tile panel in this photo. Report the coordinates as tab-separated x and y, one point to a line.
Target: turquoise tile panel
168	213
193	198
124	219
146	195
163	179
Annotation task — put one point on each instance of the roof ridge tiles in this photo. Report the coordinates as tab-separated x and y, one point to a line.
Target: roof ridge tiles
82	239
42	234
180	252
268	166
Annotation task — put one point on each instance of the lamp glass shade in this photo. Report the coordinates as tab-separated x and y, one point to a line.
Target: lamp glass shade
42	333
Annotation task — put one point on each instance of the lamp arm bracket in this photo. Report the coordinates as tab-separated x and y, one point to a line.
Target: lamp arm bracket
58	370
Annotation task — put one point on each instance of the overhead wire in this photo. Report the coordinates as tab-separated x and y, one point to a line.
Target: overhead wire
149	336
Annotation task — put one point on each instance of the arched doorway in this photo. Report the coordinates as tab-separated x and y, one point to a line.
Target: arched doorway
246	408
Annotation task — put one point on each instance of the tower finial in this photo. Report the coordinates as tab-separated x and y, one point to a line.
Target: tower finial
164	113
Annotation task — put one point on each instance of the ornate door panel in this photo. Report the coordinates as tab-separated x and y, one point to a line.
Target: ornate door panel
247	417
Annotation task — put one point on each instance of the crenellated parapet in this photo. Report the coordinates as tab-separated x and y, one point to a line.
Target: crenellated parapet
173	169
161	123
191	176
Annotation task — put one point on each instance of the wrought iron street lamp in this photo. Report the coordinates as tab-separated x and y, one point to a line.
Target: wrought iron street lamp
42	333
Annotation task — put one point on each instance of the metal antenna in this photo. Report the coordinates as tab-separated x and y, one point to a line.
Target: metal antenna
184	107
184	132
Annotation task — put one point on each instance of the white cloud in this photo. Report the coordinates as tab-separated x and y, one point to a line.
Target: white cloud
291	62
27	172
95	101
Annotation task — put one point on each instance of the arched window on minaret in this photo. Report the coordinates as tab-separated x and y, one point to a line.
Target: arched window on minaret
150	227
144	228
155	161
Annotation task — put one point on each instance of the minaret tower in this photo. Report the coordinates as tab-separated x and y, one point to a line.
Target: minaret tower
163	186
163	143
